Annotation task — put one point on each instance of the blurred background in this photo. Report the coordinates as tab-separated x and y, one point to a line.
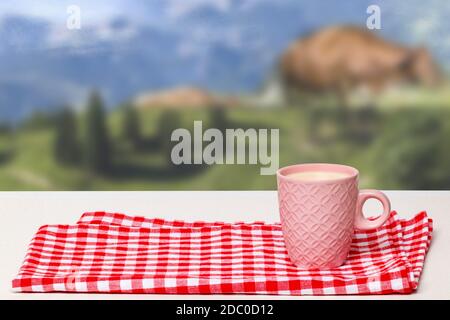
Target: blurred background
93	108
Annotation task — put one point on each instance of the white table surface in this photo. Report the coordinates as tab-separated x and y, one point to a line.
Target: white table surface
23	212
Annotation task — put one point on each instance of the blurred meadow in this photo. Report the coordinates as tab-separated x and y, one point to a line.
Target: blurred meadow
92	140
395	148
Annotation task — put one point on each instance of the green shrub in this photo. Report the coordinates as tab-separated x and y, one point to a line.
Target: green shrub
412	152
131	129
97	147
67	147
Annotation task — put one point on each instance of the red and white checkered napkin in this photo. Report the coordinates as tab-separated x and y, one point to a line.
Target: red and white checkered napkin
108	252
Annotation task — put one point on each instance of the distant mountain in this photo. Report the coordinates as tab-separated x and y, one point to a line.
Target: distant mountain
227	46
55	68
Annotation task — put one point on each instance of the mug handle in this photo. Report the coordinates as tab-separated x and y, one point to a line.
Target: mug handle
361	222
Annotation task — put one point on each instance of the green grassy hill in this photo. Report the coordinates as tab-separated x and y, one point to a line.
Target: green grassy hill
387	145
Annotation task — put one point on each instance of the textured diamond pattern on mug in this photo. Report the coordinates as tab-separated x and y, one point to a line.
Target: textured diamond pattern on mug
316	228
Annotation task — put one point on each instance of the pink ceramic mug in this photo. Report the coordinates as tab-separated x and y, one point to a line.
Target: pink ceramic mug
318	216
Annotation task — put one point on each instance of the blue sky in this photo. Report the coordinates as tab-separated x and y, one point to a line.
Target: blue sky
96	11
92	11
420	14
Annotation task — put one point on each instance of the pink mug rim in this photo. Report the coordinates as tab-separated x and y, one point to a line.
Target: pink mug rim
334	167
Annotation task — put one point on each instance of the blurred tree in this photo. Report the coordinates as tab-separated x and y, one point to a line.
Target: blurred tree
97	148
131	130
361	124
66	148
412	152
168	122
5	128
218	117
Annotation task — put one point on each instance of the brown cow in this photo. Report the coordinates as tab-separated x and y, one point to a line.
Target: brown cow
344	58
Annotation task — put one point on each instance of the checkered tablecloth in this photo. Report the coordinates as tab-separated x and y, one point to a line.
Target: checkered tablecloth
117	253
